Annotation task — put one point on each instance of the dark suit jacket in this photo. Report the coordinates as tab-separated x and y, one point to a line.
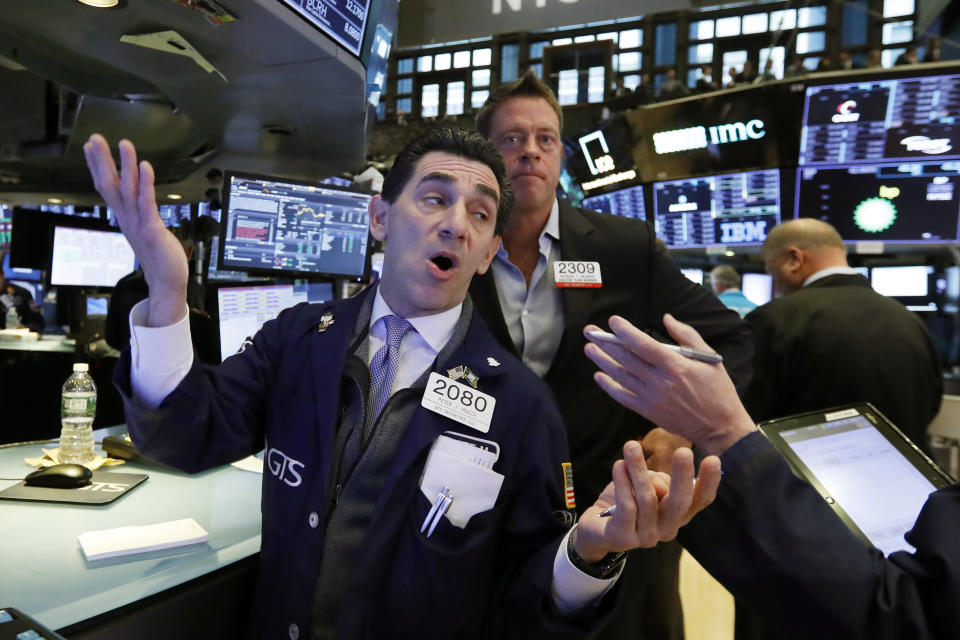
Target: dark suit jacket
838	341
291	388
640	283
775	544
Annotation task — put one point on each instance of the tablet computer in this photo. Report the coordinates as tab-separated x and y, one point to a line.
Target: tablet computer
872	476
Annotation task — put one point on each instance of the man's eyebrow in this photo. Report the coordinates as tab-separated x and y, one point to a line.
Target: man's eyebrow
446	178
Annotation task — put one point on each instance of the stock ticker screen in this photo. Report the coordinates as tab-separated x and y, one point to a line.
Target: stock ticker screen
881	120
282	226
729	209
880	159
623	202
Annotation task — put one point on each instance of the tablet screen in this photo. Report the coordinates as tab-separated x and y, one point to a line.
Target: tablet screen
880	490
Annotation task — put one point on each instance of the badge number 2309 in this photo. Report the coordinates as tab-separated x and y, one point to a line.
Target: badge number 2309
576	273
459	402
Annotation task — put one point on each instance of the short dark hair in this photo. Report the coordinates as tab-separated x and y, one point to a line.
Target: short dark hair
458	142
526	86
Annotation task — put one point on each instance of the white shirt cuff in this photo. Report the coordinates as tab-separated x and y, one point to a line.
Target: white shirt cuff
572	589
160	357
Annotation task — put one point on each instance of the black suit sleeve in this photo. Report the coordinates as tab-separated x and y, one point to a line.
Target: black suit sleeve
722	328
768	382
774	543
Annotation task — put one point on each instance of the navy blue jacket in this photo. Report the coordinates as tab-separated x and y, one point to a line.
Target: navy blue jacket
490	579
776	545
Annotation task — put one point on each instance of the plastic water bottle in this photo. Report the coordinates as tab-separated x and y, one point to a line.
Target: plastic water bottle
13	320
78	406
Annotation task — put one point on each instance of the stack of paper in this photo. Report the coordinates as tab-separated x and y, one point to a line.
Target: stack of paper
122	541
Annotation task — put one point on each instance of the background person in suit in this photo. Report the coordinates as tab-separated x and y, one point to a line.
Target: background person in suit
831	339
343	553
769	537
541	322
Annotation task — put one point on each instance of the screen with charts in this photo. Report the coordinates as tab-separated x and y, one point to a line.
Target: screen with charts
243	310
729	209
881	120
623	202
910	202
879	489
89	258
6	225
296	228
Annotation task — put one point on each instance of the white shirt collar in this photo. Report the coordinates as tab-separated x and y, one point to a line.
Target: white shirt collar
829	271
435	329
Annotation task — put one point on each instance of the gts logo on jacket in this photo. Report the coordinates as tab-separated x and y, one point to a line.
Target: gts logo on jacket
283	467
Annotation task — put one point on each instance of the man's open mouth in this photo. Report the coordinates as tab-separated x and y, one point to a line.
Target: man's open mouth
443	262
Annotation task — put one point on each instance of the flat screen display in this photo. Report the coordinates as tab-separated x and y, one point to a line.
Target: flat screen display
757	288
243	310
693	275
900	119
276	226
6	226
89	258
16	273
910	202
171	214
342	20
730	209
601	158
623	202
916	286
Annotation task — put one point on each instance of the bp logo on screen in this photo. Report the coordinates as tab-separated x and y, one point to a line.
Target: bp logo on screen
874	215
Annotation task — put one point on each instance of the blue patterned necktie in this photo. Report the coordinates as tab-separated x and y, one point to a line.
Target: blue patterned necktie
383	366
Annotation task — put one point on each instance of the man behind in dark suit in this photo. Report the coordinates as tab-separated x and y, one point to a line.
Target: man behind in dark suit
833	340
542	323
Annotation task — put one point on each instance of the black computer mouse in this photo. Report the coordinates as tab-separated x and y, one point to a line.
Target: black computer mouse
60	476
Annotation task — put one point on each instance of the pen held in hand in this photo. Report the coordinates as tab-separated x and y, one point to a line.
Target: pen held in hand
693	354
606	513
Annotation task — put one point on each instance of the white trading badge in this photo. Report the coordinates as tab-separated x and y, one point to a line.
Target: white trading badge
459	402
577	273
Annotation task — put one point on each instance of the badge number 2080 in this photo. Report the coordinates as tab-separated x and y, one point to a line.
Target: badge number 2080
459	402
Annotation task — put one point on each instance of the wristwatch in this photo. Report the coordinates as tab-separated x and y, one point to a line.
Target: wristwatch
605	569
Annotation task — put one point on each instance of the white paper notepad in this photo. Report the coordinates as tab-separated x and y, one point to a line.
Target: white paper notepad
122	541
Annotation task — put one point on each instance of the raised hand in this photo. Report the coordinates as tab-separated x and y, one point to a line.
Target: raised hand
689	398
132	197
650	506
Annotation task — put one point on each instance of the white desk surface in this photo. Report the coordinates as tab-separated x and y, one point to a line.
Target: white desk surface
43	571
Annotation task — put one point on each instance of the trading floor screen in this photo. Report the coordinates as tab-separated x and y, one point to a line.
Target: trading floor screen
296	228
730	209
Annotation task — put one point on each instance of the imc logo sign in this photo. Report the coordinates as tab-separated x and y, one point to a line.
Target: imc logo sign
701	137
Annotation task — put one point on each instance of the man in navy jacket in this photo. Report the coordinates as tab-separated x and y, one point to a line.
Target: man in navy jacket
351	547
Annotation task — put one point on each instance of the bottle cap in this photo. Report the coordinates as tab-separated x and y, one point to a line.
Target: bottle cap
81	367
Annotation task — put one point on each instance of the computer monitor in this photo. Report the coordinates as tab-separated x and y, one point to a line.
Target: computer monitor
757	288
242	310
16	273
622	202
913	285
171	214
693	275
89	257
93	315
905	203
344	22
275	226
6	226
728	209
887	119
213	273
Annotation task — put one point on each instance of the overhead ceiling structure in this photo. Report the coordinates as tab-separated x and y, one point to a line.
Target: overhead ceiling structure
265	93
